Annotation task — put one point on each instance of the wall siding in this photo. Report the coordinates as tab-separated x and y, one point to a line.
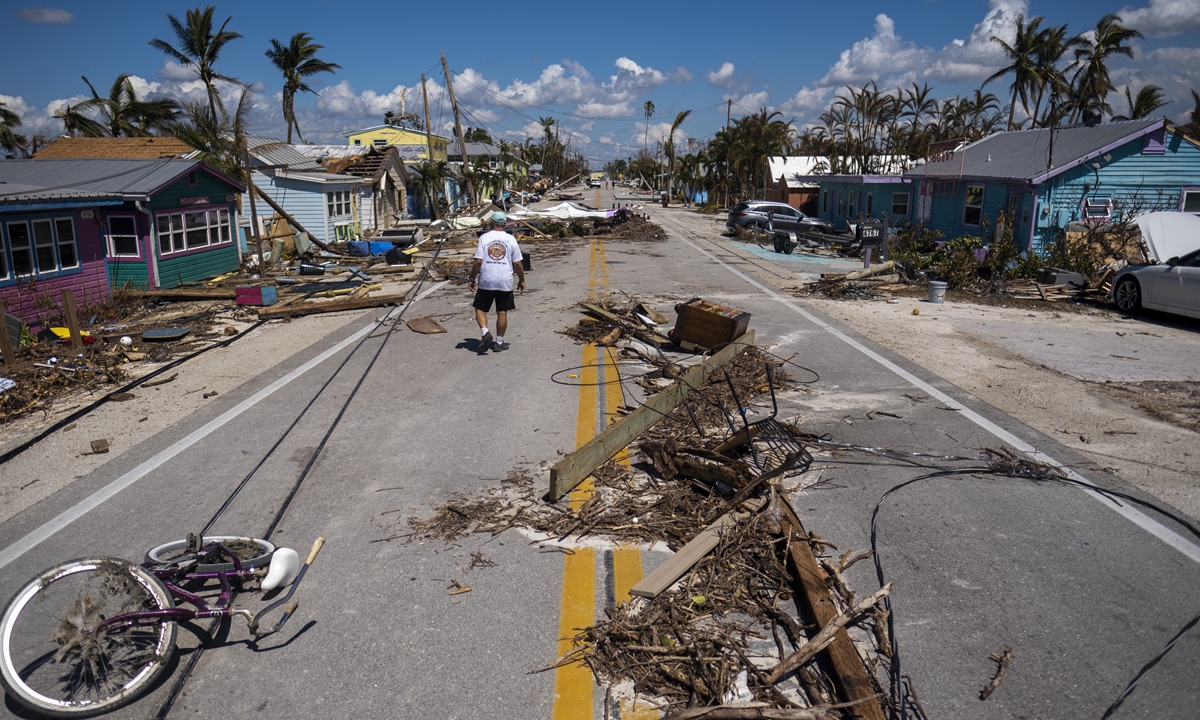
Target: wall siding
89	283
173	271
881	201
303	201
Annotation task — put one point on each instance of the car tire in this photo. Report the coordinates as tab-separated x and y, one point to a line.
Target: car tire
1128	295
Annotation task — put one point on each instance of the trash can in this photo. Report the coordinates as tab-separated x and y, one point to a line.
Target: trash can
937	291
310	269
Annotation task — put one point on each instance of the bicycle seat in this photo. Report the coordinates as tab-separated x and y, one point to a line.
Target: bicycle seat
285	565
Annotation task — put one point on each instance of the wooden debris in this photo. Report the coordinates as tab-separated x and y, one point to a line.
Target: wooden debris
663	576
751	712
208	293
1003	660
164	381
121	396
425	326
275	312
99	447
826	636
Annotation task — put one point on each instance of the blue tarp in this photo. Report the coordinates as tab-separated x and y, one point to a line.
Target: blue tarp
363	248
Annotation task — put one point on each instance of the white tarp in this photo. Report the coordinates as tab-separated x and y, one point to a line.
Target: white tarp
561	211
1169	234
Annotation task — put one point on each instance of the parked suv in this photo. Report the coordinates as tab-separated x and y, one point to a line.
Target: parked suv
757	214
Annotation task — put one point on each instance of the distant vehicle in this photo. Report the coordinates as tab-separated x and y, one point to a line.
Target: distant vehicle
1172	285
763	215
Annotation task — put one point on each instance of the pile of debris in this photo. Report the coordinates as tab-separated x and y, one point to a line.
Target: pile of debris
708	633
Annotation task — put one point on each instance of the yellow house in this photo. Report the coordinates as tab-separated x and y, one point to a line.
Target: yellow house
410	143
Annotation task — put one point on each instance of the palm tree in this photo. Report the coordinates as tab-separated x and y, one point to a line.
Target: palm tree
679	118
1149	99
1022	55
1192	129
431	177
648	108
10	140
1092	83
220	140
297	60
123	113
75	122
199	47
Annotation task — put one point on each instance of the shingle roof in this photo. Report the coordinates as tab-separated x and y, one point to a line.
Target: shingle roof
1025	154
152	148
28	180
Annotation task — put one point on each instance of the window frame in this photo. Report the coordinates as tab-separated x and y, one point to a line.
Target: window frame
178	230
1087	214
12	248
967	206
59	243
336	200
1184	192
907	199
110	247
39	246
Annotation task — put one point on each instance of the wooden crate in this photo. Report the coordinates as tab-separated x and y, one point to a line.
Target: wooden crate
707	324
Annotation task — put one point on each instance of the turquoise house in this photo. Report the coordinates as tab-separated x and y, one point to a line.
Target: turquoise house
843	199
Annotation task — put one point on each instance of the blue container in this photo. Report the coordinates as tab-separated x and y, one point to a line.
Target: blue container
363	248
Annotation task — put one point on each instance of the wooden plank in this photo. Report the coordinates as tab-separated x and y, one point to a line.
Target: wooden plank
68	298
272	313
571	470
212	293
663	576
813	599
644	335
6	348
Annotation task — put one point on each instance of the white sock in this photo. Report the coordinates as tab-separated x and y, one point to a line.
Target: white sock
483	330
500	339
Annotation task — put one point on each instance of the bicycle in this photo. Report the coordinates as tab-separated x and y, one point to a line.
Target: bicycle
91	635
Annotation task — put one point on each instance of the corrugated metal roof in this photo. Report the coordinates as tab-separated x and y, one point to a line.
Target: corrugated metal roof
87	178
276	152
1025	154
151	148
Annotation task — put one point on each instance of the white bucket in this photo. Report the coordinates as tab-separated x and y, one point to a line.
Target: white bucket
937	291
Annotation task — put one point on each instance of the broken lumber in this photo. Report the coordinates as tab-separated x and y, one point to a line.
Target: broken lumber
879	269
273	313
572	469
601	314
825	637
211	293
751	712
663	576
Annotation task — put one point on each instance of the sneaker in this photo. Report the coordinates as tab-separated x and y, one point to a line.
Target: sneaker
500	347
485	343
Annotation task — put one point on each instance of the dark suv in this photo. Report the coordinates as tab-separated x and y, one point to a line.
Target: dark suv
761	214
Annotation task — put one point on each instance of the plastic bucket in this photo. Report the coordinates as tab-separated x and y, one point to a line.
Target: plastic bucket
937	291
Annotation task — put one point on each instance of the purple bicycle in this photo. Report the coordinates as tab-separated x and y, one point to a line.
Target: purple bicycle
90	635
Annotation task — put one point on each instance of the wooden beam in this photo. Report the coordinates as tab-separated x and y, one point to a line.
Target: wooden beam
6	347
641	334
813	599
571	470
271	313
68	298
211	293
664	575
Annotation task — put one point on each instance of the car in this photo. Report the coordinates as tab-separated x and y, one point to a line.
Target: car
763	215
1170	279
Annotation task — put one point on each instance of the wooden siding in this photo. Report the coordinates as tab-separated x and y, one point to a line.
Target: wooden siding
881	201
28	299
173	271
302	200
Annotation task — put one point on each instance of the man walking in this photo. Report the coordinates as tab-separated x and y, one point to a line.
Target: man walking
496	258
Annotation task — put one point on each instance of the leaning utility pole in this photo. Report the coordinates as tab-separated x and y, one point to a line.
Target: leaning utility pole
428	135
457	124
728	111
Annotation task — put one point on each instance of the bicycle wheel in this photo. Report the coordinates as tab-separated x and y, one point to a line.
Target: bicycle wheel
253	552
50	659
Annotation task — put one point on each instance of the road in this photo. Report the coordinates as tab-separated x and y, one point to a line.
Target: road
1081	592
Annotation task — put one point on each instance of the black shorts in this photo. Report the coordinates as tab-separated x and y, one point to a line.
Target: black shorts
503	298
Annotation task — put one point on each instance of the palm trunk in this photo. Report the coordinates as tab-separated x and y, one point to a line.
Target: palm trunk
1012	109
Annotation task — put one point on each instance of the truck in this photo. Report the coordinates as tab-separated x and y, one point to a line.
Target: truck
596	179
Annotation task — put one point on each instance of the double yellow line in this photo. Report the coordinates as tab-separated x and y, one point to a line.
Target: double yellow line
574	689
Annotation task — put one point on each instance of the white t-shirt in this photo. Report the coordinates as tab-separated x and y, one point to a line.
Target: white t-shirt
499	252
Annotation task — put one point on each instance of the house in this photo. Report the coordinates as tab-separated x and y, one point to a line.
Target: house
1048	178
324	203
383	193
90	225
490	154
151	148
793	180
412	144
844	199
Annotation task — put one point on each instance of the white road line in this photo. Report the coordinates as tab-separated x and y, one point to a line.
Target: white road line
41	534
1133	515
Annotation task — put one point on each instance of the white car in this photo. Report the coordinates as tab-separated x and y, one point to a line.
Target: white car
1172	284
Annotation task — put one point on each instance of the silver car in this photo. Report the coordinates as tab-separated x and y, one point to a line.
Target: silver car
762	215
1173	286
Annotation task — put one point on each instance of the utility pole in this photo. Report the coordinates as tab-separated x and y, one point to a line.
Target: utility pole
257	234
428	135
728	112
457	123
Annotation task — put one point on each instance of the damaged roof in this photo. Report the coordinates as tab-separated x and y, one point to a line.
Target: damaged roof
271	151
151	148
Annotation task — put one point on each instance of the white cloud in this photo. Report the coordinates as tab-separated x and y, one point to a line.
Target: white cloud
1162	18
680	75
977	57
587	126
603	110
883	53
722	77
53	16
606	138
808	102
176	72
752	102
342	101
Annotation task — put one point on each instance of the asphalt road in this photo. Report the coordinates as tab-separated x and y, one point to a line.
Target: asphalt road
1082	595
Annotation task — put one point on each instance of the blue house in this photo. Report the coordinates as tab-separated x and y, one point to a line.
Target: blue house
326	204
843	199
1045	179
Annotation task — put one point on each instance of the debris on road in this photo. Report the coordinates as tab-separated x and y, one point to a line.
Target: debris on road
1002	660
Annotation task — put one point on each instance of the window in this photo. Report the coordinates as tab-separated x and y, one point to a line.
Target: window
22	253
358	142
870	203
899	204
379	143
179	231
841	205
1191	201
925	206
192	179
1097	209
68	256
973	206
338	203
824	202
122	237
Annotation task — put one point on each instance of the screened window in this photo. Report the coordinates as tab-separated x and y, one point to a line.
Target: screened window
1097	209
973	206
22	248
1191	201
338	203
68	254
181	231
122	237
43	246
899	204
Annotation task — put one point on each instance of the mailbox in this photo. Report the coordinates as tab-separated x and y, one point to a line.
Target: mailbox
872	234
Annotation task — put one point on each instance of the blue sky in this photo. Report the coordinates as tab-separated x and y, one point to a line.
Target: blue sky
589	65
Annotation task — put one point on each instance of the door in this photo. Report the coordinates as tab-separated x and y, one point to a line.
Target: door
1016	212
787	218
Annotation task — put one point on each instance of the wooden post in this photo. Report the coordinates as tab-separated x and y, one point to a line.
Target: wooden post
6	348
458	126
428	132
257	231
72	320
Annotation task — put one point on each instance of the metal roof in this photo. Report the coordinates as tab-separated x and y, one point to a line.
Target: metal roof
1025	154
276	152
32	180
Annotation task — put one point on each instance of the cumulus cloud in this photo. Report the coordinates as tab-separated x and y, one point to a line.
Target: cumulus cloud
603	110
1162	18
176	72
722	77
808	102
976	57
51	16
680	75
883	53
